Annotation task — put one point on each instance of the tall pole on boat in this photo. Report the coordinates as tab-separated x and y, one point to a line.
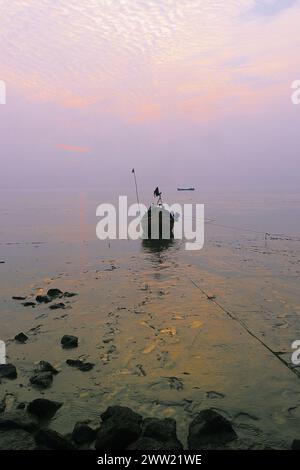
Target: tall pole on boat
136	189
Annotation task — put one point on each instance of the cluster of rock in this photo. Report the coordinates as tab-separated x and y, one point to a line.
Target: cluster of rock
52	294
44	372
120	429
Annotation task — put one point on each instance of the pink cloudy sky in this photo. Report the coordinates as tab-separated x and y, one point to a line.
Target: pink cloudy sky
197	90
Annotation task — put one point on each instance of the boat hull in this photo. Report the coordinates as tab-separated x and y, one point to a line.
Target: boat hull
157	224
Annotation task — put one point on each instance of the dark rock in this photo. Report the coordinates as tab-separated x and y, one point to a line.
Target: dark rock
21	338
43	299
57	306
8	371
296	444
83	434
163	431
53	440
18	297
42	379
44	366
43	408
83	366
69	341
16	439
2	262
69	294
211	429
17	420
29	304
54	293
120	427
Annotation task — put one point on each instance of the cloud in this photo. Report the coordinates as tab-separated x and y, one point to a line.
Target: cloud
73	148
144	60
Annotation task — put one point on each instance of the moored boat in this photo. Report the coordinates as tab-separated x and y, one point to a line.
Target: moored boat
158	222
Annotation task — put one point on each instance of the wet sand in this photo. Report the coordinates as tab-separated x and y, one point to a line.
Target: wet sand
159	344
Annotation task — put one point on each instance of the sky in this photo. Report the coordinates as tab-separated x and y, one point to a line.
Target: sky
189	92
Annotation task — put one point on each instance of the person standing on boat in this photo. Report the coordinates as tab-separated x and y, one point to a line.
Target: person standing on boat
157	193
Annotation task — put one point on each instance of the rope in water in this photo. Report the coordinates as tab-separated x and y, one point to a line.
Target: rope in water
267	235
245	327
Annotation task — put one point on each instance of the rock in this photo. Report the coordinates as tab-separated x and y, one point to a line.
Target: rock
54	293
29	304
16	439
83	434
120	427
2	262
211	429
83	366
43	408
8	371
69	341
43	299
44	366
57	306
42	379
296	444
53	440
18	297
21	338
17	420
69	294
163	431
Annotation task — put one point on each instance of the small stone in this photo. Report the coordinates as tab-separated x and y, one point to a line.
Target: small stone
57	306
44	366
29	304
21	338
43	408
69	341
69	294
54	293
83	366
18	297
43	299
8	371
83	434
210	429
42	379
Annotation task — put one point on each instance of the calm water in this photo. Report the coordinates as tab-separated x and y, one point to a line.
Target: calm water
152	304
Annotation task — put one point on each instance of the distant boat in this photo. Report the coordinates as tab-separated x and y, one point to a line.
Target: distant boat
186	189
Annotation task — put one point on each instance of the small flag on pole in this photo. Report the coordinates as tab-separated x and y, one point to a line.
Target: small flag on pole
156	192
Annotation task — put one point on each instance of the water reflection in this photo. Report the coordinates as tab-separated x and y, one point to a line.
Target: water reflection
157	246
